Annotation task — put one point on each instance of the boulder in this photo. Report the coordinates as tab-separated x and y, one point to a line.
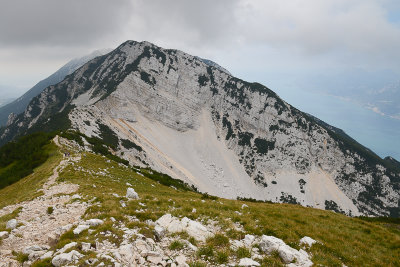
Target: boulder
66	247
288	254
66	258
175	226
130	193
36	255
248	262
159	232
193	228
46	255
164	220
181	260
12	224
198	231
154	259
308	241
94	222
29	249
249	240
127	252
80	228
85	246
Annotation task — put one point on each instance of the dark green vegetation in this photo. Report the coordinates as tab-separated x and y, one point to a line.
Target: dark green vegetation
167	180
129	144
19	158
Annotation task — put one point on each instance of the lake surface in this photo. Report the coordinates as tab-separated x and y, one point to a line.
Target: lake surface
379	133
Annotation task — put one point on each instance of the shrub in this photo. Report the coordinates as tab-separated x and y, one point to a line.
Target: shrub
207	252
50	210
222	257
243	252
218	240
176	245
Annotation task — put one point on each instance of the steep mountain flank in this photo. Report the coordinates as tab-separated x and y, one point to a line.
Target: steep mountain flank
184	117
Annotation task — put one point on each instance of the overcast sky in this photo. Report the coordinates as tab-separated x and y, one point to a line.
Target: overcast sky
287	45
38	36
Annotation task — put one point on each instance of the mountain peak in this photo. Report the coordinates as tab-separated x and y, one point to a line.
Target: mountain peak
187	118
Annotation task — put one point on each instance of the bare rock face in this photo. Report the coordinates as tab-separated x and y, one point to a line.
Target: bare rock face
187	118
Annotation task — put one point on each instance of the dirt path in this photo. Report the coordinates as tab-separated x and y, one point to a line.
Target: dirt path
37	226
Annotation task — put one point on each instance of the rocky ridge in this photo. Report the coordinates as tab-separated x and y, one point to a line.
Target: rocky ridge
178	115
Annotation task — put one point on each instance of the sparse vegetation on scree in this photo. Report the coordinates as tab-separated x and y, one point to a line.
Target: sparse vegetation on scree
342	240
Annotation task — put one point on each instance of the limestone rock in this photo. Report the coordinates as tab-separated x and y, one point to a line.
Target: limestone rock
66	247
248	262
66	258
46	255
159	232
3	234
308	241
288	254
11	224
193	228
249	240
85	246
130	193
181	260
80	228
94	222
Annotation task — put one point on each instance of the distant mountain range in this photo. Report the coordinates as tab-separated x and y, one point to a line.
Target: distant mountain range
18	105
5	101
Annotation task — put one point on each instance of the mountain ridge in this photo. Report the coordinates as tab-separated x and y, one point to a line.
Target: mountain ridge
142	93
18	105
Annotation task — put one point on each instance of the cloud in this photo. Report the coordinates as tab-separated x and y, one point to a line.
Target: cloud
289	36
60	23
376	110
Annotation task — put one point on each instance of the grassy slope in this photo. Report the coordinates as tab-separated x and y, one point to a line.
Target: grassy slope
351	241
26	188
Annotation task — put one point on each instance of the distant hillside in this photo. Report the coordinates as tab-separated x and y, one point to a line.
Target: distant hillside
19	105
5	101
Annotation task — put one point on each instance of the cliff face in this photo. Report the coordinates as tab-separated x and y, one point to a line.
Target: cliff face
192	120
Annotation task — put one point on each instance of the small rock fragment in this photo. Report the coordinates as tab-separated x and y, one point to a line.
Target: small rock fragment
248	262
3	234
130	193
80	228
308	241
11	224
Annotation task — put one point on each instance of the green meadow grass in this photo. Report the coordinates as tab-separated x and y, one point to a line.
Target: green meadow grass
343	240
